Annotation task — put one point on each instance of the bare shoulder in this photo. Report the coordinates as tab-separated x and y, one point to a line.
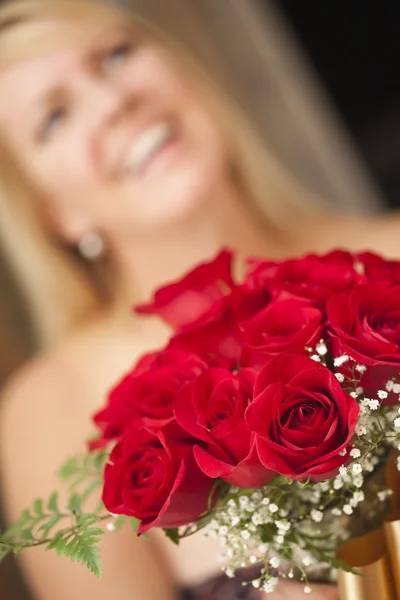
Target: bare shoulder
377	233
42	423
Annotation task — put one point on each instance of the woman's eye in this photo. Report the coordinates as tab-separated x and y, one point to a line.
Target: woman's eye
52	122
117	54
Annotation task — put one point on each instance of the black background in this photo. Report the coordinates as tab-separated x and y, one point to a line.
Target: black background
354	47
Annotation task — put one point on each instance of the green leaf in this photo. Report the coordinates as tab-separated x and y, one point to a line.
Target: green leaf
26	535
75	504
93	486
68	469
5	550
173	535
48	526
134	523
82	549
52	504
38	508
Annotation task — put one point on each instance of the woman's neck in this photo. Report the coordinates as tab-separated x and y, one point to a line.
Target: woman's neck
146	264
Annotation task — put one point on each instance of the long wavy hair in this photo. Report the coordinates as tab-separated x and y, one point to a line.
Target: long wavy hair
59	287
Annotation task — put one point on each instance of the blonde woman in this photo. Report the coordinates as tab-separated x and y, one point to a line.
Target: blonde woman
122	165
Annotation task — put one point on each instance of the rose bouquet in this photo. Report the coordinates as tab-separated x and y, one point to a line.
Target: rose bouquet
267	421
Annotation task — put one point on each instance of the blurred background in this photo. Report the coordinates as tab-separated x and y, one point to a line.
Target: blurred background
331	105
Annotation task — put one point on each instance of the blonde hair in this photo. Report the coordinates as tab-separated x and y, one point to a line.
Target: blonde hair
58	292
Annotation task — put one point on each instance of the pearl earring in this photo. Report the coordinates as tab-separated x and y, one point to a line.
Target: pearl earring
91	246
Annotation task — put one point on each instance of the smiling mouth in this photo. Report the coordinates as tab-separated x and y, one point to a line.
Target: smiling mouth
147	146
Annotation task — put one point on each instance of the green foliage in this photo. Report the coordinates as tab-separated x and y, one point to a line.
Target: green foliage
73	532
173	535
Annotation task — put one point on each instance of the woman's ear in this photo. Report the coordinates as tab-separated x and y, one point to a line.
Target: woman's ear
65	224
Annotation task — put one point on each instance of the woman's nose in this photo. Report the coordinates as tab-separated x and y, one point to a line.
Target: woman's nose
107	103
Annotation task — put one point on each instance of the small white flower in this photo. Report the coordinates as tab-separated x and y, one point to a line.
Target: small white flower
361	368
347	509
397	423
396	388
111	527
359	390
338	483
273	508
340	360
355	453
253	559
307	589
357	469
343	452
306	561
336	512
229	572
279	539
361	430
245	534
316	358
343	470
389	385
358	481
275	562
321	349
374	404
339	377
382	395
317	515
256	583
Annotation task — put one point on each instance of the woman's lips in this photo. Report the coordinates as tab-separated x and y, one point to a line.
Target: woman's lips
147	147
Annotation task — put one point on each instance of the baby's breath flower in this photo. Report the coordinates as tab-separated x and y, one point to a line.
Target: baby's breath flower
307	589
347	509
340	360
382	395
343	452
355	453
389	385
343	470
357	468
321	348
361	430
273	508
397	423
274	562
339	377
317	515
374	404
361	368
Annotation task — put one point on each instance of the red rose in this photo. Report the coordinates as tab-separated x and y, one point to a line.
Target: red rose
366	326
145	397
154	478
288	325
313	277
301	417
379	270
183	302
211	409
216	335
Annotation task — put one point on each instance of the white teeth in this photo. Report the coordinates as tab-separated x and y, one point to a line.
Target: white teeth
145	145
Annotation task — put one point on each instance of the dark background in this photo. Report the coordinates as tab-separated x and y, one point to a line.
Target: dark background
354	47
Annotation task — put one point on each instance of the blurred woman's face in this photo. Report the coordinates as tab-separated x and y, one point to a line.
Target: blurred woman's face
111	132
